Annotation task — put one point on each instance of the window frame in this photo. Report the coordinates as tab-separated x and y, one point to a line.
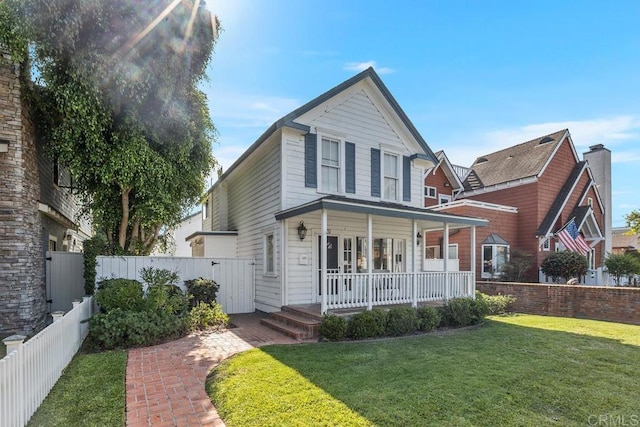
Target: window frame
446	197
205	209
331	137
272	272
394	247
496	269
427	189
384	176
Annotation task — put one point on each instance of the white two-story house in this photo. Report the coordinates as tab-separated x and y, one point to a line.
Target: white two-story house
329	203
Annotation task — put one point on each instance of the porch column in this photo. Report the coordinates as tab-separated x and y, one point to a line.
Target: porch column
416	252
473	260
323	267
369	261
445	261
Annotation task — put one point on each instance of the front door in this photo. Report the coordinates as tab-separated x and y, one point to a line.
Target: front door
332	261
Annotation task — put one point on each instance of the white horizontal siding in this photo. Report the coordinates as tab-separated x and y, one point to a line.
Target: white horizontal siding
253	193
302	279
357	119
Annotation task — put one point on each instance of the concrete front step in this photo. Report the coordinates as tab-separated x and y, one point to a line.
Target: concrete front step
294	323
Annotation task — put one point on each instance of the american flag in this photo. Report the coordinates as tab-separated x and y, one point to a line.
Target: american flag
572	239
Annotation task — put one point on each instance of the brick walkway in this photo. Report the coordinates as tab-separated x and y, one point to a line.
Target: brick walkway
165	383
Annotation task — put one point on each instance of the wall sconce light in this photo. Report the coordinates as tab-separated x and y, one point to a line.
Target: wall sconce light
4	145
302	231
419	238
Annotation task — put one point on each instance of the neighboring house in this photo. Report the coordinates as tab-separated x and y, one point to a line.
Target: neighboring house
38	211
529	192
328	201
623	241
177	245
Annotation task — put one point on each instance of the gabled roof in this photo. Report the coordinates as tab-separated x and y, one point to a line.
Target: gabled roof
447	168
514	163
289	119
561	199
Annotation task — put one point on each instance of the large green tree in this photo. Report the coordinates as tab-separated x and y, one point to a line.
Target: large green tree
622	265
116	98
633	222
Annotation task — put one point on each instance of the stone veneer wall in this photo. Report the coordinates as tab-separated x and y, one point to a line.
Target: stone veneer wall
22	290
615	304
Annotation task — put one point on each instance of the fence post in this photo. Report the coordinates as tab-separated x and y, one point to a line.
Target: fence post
57	315
15	343
75	303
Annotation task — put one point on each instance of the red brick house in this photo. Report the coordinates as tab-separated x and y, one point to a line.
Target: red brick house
528	192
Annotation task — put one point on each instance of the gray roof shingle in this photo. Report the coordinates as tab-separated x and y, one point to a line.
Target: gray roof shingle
518	162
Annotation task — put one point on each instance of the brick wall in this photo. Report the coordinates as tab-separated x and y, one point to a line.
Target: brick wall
22	290
616	304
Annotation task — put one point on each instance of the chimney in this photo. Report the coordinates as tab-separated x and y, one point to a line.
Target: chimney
599	159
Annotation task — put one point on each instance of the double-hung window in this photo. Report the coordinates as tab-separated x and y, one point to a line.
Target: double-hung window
330	165
391	177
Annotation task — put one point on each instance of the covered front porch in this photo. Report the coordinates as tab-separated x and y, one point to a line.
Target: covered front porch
365	254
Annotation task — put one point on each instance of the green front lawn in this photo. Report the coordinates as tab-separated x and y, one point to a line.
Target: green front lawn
523	370
90	392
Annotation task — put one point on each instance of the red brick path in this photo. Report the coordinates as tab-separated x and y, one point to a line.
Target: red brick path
165	383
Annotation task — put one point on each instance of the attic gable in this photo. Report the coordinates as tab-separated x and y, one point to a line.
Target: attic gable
515	163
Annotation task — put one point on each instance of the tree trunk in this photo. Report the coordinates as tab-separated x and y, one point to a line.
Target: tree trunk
124	221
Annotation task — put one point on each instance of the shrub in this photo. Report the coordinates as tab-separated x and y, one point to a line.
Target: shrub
124	294
564	264
204	316
464	312
401	321
514	269
152	276
97	245
495	304
429	318
332	327
166	298
201	290
126	328
367	324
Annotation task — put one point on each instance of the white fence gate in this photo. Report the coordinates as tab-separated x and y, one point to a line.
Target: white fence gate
65	279
235	276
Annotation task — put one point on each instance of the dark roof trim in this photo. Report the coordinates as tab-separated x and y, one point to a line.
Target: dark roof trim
423	157
288	120
561	199
378	208
211	233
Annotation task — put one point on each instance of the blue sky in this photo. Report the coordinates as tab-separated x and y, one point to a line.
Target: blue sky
474	77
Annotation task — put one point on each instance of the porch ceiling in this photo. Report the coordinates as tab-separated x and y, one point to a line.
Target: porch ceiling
394	210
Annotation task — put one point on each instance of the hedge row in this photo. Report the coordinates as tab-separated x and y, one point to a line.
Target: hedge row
399	321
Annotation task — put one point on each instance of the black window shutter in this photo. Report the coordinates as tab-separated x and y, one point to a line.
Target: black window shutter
406	179
350	167
375	172
310	160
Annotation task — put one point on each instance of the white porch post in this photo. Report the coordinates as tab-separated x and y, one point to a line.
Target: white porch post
369	261
323	267
416	252
473	260
445	261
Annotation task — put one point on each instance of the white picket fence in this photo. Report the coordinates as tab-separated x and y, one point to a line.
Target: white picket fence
30	370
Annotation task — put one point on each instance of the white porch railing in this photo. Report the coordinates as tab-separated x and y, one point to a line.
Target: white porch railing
347	290
29	371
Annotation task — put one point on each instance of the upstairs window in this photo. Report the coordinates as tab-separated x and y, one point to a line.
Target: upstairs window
391	177
205	209
430	192
330	165
444	199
